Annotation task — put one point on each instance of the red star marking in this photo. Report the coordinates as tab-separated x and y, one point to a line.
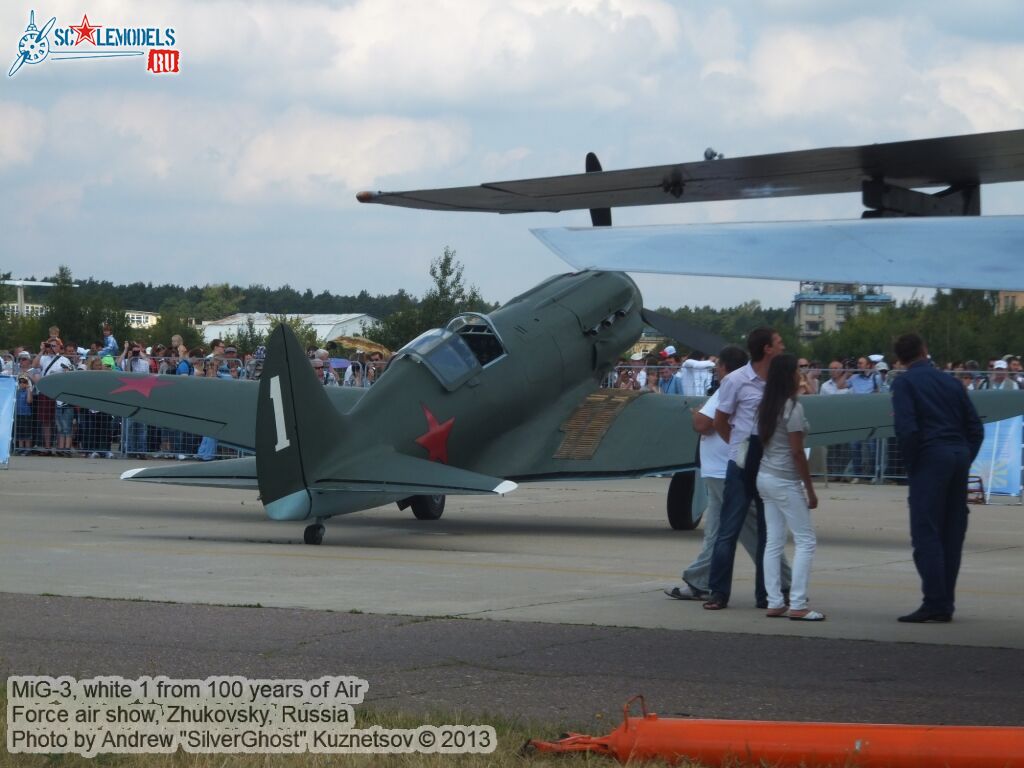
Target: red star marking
86	31
144	385
435	440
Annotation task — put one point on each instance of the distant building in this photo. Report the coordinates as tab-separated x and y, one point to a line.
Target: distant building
821	307
326	326
137	318
1008	301
13	309
649	341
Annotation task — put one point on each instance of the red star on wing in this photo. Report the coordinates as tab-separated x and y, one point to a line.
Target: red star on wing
435	440
144	385
86	32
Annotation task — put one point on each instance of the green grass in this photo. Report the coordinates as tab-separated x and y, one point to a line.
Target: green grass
512	735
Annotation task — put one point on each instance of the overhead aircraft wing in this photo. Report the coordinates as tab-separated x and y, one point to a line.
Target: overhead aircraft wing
974	251
221	408
981	158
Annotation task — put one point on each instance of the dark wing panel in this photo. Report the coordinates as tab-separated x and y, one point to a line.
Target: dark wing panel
216	407
982	158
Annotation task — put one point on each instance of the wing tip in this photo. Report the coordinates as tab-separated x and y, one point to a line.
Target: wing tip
505	486
131	473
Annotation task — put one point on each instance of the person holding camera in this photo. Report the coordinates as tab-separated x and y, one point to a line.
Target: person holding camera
49	361
134	435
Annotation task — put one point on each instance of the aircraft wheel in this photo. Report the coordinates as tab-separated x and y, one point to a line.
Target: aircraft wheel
427	507
314	534
685	494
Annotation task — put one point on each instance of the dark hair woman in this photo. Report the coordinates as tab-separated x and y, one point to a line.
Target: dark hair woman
784	482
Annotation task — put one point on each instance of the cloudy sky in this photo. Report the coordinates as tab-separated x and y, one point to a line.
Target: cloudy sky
243	168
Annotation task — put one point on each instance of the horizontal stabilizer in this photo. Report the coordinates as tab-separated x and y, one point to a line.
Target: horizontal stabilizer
384	471
897	251
229	473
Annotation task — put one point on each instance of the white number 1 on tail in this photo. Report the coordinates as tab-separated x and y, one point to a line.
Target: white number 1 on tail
275	398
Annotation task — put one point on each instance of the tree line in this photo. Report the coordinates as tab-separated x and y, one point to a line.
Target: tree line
957	324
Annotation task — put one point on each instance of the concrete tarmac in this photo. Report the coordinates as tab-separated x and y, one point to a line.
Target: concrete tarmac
548	556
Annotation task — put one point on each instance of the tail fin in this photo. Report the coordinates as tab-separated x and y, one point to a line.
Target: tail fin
296	428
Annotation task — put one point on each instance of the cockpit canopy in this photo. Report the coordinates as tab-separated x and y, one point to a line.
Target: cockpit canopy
478	332
458	352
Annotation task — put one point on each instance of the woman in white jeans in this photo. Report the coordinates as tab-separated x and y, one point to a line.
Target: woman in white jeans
784	482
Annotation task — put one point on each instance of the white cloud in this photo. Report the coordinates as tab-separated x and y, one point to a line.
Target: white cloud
21	134
311	156
984	86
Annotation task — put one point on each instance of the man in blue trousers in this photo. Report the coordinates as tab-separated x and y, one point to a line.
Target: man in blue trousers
939	433
736	423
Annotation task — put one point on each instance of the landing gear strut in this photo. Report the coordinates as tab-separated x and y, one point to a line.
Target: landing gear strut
314	533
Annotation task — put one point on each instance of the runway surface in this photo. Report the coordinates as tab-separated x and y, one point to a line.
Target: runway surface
566	578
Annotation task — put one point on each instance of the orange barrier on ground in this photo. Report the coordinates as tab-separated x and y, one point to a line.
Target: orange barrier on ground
866	745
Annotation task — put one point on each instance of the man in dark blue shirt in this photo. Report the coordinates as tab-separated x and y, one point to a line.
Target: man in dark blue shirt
939	433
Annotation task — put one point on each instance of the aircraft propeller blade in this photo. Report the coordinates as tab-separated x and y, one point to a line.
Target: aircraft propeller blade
599	217
16	65
685	333
46	29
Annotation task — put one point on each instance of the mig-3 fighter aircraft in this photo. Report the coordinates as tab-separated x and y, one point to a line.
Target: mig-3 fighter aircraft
514	396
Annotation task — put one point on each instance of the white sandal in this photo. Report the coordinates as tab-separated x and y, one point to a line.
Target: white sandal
806	615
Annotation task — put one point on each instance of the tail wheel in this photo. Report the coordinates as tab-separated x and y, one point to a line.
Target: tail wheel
314	534
427	507
683	493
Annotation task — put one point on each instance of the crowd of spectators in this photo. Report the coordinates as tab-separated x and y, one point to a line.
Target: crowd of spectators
677	373
47	426
673	372
43	425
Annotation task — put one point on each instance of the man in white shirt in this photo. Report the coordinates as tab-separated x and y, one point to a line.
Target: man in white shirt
837	456
714	457
696	375
49	362
736	423
1000	378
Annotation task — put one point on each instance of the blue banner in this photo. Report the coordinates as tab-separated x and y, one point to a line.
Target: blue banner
999	461
8	391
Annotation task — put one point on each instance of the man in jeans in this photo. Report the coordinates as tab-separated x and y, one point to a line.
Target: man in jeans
736	423
714	457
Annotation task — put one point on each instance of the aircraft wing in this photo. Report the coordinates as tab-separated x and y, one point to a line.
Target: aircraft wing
896	251
215	407
618	433
981	158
